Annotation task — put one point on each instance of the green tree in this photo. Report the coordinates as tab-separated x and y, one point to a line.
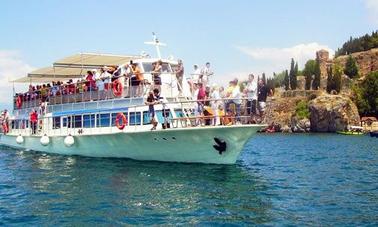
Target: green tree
337	72
279	79
367	95
291	75
286	81
264	78
316	82
362	43
330	84
302	110
295	77
308	72
351	68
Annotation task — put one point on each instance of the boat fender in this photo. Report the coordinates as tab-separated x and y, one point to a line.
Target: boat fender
117	88
121	121
69	141
45	140
19	139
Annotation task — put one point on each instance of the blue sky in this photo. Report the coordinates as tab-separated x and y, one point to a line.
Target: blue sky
237	36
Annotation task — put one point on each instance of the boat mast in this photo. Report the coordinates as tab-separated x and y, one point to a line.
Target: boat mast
155	42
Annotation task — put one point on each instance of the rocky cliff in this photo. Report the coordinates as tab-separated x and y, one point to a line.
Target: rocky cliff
330	113
367	60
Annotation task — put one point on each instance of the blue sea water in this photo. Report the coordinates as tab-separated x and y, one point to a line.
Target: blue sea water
306	179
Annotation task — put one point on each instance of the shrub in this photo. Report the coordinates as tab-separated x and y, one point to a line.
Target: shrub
301	111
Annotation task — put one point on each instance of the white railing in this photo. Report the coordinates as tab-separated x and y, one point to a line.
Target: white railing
187	113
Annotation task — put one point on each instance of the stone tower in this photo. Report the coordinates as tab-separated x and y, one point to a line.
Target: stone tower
322	56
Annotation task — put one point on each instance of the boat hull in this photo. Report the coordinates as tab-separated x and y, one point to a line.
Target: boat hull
218	145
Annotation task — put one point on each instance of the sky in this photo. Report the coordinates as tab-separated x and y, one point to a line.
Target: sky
237	37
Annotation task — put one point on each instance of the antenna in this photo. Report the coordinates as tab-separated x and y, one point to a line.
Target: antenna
155	42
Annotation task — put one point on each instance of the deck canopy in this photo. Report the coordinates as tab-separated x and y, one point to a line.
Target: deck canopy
72	67
89	60
48	74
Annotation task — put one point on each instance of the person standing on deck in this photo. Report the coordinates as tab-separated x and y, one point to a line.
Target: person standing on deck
261	98
215	103
139	79
252	97
34	121
157	70
151	109
206	72
180	74
5	121
195	78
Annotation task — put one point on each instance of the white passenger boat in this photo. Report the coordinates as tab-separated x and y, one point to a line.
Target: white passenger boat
115	122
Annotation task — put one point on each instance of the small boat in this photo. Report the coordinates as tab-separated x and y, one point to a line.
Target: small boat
352	131
374	134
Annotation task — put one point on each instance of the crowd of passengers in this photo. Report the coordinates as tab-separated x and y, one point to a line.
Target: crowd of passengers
247	102
94	80
227	106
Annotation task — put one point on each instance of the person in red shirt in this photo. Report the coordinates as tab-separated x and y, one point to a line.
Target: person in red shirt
91	83
34	121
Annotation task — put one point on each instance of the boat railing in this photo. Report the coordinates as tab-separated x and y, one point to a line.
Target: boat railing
181	114
83	91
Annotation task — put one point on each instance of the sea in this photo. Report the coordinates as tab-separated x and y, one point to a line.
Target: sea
279	180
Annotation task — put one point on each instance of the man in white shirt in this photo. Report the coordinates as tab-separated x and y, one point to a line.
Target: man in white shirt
206	72
252	96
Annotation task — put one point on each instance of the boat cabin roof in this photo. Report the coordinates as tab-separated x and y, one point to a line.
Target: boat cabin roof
74	66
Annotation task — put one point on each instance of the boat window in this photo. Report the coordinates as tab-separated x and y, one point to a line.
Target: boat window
135	118
66	121
174	67
166	68
56	122
88	121
77	121
159	115
146	118
179	113
103	120
26	123
148	67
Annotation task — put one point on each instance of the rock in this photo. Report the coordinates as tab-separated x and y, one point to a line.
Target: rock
330	113
286	129
300	126
304	124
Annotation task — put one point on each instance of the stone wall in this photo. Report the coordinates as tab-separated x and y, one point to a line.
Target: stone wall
300	93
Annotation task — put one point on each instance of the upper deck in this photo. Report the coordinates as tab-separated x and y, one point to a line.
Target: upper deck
64	87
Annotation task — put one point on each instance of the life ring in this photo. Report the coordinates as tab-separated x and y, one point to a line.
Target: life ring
121	121
117	88
19	102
